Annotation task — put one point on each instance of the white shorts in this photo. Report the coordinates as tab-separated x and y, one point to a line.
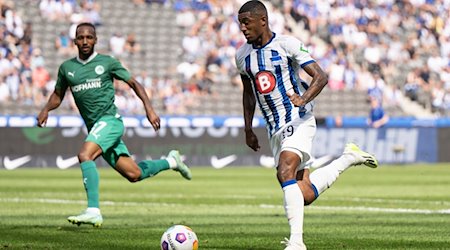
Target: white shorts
297	137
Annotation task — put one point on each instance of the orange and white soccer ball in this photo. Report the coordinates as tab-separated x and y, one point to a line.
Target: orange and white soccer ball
179	237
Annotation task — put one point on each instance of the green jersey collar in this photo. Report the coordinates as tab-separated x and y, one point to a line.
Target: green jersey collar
87	60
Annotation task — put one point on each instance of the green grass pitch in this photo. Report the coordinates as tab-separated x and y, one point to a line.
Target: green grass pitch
393	207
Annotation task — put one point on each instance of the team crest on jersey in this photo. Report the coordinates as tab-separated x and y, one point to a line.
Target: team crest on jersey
99	69
265	81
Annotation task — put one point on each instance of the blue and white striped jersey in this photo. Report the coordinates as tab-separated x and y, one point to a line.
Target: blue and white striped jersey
274	72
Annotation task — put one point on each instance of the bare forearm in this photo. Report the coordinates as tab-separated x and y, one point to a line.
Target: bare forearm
249	111
140	92
319	81
152	117
315	88
53	102
248	102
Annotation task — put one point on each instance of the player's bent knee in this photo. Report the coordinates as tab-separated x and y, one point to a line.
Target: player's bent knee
133	178
82	157
132	175
285	173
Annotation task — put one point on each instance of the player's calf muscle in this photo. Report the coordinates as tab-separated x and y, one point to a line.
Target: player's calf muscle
308	193
305	186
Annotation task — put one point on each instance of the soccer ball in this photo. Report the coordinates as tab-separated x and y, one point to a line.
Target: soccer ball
179	237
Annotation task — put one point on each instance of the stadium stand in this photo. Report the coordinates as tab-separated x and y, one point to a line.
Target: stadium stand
187	49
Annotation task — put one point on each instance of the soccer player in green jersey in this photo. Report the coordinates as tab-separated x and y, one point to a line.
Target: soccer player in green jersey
90	78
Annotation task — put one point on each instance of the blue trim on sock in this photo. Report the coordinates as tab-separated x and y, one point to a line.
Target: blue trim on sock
289	182
316	192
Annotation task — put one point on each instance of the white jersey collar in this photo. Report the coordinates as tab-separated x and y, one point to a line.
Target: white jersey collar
271	39
87	60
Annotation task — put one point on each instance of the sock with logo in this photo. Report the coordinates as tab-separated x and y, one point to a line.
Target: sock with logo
324	177
150	168
294	208
91	182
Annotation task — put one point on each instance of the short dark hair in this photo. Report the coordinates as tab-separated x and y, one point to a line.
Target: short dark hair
254	7
86	24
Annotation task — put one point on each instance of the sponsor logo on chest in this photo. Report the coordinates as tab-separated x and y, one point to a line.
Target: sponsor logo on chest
95	83
91	83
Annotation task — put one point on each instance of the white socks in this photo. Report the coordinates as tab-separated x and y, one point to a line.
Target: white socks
93	210
321	179
343	162
294	208
172	162
324	177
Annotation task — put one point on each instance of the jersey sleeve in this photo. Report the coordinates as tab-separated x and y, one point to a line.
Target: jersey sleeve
239	65
118	71
61	81
239	58
297	51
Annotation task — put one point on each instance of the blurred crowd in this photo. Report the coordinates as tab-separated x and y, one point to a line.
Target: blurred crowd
22	72
71	10
387	49
24	78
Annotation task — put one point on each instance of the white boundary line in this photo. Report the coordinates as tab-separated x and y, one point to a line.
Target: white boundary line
253	197
394	201
385	210
269	206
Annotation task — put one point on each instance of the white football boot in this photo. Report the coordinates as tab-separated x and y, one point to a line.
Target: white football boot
181	167
293	246
360	156
94	219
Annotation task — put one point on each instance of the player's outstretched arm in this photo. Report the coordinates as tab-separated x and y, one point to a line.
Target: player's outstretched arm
249	104
152	117
318	82
53	102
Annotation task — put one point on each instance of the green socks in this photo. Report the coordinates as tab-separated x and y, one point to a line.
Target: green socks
150	168
91	182
89	171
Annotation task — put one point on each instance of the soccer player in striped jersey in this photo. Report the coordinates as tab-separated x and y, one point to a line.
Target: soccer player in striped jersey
269	65
89	76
